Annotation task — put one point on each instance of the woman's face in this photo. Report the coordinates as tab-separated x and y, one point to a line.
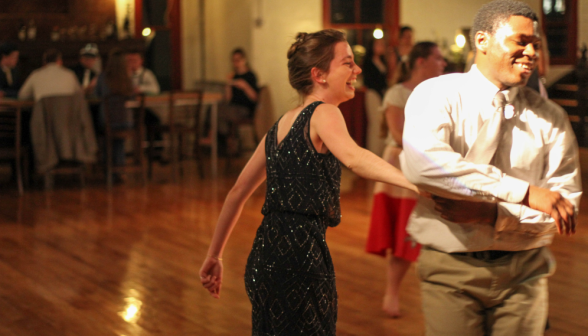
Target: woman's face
342	75
239	62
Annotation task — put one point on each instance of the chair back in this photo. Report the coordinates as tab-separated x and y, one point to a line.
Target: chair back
62	130
10	127
264	117
115	111
184	109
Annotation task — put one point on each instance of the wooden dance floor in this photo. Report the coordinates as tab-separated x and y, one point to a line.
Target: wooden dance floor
124	263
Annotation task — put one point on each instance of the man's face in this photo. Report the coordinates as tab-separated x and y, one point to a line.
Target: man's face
11	59
512	51
134	61
88	62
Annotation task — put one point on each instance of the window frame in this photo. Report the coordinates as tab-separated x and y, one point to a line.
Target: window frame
571	24
390	25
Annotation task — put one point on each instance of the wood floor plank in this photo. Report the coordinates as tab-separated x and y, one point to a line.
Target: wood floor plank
92	262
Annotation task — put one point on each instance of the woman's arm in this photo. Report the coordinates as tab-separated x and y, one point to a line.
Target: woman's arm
328	129
395	121
250	178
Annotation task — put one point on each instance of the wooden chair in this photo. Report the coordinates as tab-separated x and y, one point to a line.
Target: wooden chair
115	112
62	134
260	122
11	149
183	123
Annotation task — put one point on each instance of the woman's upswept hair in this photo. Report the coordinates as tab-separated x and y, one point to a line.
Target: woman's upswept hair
311	50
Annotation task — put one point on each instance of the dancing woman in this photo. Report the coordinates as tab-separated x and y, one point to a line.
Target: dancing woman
289	278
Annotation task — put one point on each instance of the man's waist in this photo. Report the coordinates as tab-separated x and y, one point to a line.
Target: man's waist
488	255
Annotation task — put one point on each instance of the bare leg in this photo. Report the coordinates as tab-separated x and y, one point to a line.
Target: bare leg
397	268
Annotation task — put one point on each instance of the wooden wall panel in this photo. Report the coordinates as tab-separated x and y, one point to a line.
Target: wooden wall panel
48	14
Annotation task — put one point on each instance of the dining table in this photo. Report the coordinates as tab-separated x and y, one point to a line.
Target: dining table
188	98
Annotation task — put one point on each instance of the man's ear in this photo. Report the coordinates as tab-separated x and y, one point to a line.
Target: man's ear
481	40
318	76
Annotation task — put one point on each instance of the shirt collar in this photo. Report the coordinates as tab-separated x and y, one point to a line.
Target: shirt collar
487	90
138	71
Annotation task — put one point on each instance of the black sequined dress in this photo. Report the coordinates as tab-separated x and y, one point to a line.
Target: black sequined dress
289	277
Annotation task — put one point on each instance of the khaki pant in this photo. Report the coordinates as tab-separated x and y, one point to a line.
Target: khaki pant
463	296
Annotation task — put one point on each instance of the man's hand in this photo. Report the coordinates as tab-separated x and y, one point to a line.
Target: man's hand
465	212
553	204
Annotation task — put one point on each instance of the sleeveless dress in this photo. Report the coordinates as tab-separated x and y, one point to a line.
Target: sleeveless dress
289	277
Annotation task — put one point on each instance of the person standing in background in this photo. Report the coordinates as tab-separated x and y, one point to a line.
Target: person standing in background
9	77
393	205
375	69
405	43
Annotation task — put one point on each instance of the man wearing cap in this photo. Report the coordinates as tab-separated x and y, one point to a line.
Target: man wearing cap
9	78
84	70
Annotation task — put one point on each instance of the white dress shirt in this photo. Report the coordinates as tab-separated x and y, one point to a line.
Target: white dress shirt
538	147
145	80
50	80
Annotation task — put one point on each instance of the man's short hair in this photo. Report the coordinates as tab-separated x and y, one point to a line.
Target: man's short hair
497	12
51	55
135	50
7	48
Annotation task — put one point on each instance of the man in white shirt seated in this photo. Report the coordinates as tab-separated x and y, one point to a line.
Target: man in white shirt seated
52	79
145	82
506	162
143	79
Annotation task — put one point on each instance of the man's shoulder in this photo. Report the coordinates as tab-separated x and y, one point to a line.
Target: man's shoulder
444	85
542	107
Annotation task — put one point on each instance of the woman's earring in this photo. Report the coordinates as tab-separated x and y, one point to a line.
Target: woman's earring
324	80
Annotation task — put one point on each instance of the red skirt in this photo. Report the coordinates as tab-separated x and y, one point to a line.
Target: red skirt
390	213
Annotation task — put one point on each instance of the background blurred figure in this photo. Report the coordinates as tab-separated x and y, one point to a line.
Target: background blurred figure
405	43
375	69
9	76
116	80
241	94
84	70
144	80
393	205
52	79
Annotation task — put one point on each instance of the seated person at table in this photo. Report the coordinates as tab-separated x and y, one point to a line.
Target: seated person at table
52	79
116	80
241	93
87	78
9	76
144	81
84	70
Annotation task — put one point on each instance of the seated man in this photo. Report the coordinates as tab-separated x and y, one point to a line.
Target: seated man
52	79
9	77
84	70
144	81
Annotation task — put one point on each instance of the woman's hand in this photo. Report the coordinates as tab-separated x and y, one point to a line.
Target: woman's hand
211	275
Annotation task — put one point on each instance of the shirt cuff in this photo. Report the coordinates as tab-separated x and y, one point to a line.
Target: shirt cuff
512	190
